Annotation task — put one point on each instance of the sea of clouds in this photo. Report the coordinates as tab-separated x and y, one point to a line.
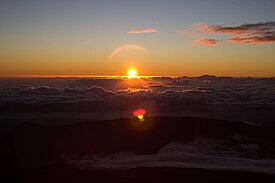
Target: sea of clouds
204	95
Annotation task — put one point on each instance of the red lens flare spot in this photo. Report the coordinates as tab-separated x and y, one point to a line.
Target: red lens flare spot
139	113
140	123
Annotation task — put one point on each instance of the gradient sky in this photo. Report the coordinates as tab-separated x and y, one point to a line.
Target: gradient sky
158	37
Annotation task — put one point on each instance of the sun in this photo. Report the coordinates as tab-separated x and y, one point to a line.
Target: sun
132	73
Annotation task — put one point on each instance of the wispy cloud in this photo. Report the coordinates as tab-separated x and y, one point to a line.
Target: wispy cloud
244	34
253	39
206	42
140	31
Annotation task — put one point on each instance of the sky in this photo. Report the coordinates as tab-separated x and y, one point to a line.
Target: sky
156	37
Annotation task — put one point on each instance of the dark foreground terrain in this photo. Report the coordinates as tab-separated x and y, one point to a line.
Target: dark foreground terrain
64	173
160	149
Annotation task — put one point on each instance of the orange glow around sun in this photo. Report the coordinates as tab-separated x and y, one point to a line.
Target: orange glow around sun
132	73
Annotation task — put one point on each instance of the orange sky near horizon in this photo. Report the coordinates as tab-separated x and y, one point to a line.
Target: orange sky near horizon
148	62
109	37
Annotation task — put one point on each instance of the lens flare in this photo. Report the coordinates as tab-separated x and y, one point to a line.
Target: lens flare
140	117
139	113
140	123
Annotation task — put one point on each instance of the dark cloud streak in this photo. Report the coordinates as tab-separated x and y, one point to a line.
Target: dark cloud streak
253	33
248	33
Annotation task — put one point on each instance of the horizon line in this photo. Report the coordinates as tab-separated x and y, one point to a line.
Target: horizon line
116	76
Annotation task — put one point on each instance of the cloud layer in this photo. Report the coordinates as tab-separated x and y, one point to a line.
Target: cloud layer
205	89
244	34
222	96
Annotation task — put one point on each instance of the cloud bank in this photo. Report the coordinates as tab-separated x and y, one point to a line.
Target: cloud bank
222	96
205	89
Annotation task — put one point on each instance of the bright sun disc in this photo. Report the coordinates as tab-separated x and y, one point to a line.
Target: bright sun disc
132	73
